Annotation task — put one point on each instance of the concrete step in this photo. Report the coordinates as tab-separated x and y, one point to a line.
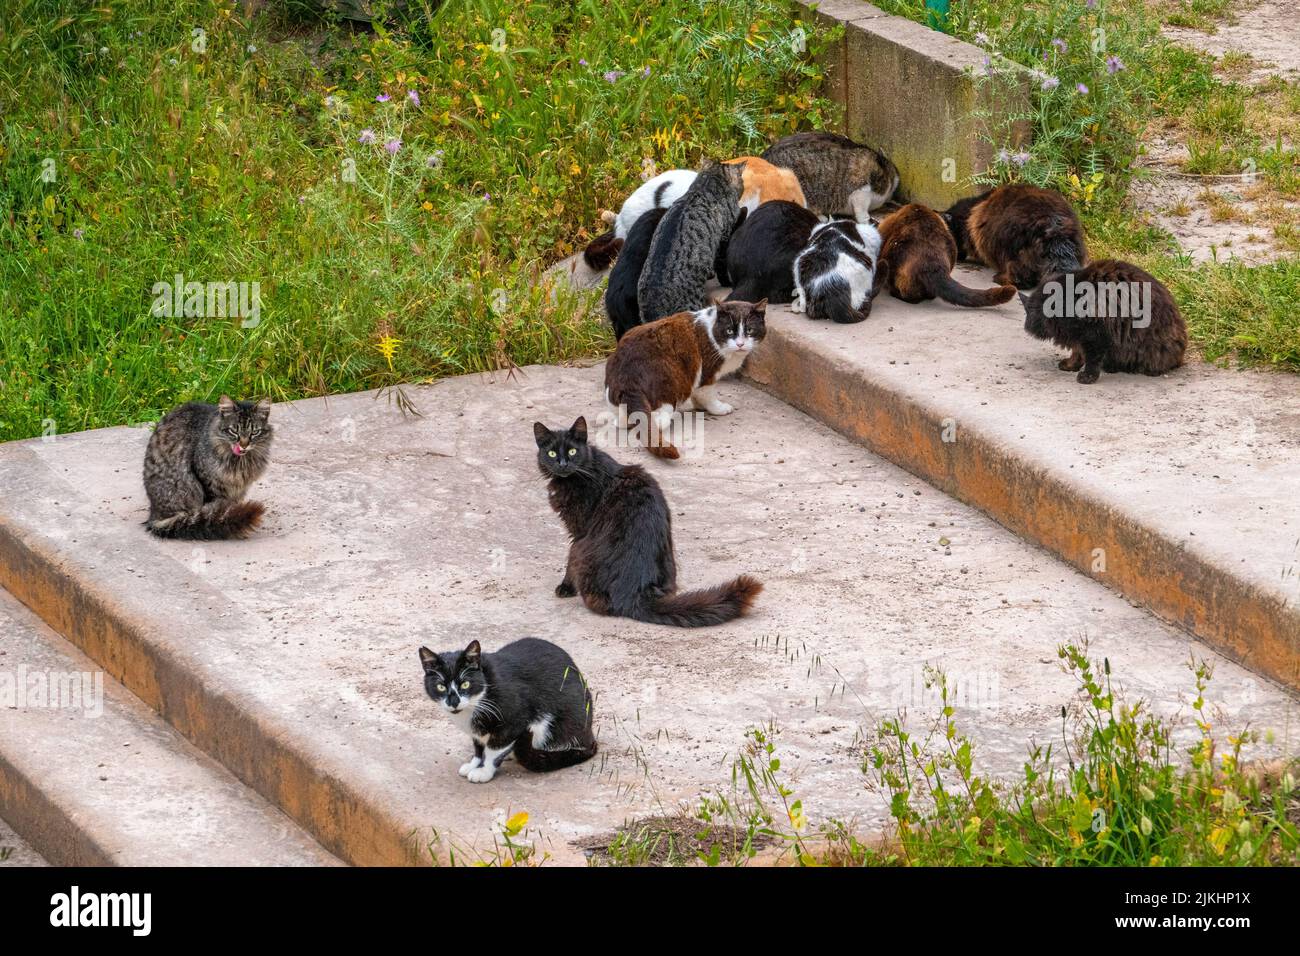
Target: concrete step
91	777
1180	492
15	851
291	656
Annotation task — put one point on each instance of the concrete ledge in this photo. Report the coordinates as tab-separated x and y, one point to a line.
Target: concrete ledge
907	89
1179	492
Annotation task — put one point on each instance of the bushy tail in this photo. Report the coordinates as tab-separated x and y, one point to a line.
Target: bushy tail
656	443
543	761
602	251
950	290
215	521
715	605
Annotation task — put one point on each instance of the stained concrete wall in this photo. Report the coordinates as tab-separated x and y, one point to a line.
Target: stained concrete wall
909	91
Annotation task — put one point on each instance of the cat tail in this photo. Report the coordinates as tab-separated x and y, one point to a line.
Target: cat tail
950	290
542	761
215	521
715	605
602	251
656	443
833	300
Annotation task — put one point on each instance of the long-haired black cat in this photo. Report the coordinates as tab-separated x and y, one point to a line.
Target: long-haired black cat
527	699
621	556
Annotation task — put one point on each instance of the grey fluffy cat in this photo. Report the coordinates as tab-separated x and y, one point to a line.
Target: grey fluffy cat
686	243
839	177
198	466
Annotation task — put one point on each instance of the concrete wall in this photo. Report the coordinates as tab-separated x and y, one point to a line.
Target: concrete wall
906	89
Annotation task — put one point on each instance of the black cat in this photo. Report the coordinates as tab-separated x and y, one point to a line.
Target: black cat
621	557
762	252
620	296
528	699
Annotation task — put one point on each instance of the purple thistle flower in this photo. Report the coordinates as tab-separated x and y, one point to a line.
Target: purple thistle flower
582	63
1114	64
612	76
1050	83
1020	159
78	233
382	98
367	137
982	38
1082	89
1061	45
414	97
1090	4
646	71
393	145
1004	156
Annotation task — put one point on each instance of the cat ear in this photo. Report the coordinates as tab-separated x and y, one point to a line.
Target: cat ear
1024	299
429	659
263	409
541	433
226	405
761	305
579	429
472	654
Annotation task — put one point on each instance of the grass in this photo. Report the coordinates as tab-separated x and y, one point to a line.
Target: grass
134	150
1089	144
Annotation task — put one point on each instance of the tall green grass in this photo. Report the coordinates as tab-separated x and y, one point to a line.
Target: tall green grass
238	154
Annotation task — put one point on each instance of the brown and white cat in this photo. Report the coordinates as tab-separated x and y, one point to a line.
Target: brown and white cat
675	363
765	183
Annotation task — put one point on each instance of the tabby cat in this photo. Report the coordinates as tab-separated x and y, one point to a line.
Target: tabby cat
839	177
621	554
677	361
198	465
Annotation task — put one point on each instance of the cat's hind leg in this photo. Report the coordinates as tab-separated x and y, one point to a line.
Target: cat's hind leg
706	396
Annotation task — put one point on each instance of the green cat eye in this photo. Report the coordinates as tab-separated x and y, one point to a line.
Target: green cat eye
442	688
464	685
572	452
551	453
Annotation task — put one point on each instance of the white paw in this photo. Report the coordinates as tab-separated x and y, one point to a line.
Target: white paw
481	774
465	768
720	408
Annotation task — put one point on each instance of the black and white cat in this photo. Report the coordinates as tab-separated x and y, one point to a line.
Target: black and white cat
528	699
839	274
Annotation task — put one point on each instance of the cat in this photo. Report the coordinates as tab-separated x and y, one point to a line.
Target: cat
839	177
762	251
621	554
620	295
1143	332
763	182
685	245
1021	231
839	274
199	464
919	252
657	193
676	362
528	699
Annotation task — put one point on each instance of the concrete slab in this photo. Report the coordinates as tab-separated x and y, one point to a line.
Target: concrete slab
291	656
15	851
92	777
1182	492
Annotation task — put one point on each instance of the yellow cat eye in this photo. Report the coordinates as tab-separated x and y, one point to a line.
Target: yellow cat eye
551	453
442	688
572	452
464	685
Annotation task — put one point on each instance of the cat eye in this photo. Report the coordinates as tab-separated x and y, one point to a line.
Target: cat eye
442	688
552	453
464	685
572	452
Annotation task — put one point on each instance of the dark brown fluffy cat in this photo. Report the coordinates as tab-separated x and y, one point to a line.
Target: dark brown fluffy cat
919	252
1112	316
1022	232
676	362
621	557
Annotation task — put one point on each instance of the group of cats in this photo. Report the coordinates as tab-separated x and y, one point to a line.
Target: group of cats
791	226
